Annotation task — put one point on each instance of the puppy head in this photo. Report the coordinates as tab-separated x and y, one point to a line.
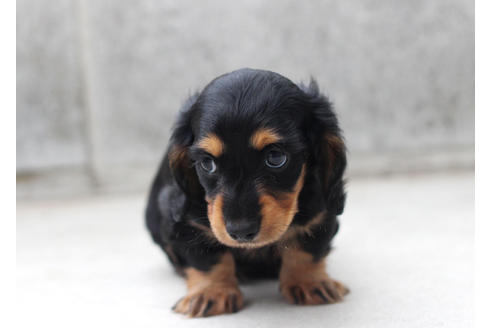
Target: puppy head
246	145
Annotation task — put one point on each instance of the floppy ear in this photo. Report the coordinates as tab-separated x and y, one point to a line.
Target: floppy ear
327	149
182	138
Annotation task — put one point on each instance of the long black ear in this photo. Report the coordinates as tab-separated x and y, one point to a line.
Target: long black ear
328	152
182	138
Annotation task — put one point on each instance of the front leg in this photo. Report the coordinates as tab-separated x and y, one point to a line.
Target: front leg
304	281
211	292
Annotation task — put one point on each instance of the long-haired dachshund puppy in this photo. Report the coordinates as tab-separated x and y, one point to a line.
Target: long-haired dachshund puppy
250	186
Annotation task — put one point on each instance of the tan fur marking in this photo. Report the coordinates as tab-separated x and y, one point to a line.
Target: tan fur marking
222	273
179	163
217	223
207	232
305	281
213	292
263	137
177	156
306	229
212	144
334	147
278	212
335	142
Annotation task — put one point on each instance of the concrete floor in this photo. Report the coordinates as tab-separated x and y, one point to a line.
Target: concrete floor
404	249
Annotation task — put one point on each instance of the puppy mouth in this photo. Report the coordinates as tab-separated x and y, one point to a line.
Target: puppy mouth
243	240
256	242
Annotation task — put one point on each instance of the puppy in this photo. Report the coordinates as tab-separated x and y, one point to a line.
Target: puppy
251	186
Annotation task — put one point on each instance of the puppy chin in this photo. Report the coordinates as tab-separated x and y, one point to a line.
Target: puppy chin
249	244
257	242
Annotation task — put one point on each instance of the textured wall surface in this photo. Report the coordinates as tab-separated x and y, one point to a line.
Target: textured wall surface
50	109
99	82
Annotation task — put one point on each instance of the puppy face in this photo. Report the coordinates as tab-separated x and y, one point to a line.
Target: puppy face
252	181
249	145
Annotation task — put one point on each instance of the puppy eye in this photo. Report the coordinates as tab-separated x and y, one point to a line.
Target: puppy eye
208	165
275	159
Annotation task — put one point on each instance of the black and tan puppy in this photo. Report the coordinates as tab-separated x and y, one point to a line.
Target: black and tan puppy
250	186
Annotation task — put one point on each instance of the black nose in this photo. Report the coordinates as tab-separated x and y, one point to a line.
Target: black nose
243	230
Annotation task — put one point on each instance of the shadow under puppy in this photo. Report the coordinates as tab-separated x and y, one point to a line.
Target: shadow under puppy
250	186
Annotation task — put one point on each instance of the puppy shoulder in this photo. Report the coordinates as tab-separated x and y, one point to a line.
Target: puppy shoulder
171	202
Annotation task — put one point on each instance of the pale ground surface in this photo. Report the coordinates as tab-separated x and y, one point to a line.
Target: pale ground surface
404	249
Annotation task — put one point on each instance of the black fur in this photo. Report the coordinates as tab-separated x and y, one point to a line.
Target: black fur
233	106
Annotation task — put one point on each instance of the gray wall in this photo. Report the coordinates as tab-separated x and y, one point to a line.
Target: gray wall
99	82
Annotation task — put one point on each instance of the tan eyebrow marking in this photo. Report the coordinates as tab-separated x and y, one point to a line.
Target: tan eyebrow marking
264	137
212	144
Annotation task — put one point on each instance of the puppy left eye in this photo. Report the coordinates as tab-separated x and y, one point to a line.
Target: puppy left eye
208	165
275	159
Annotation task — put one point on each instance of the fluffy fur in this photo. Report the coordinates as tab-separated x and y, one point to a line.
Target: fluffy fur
220	210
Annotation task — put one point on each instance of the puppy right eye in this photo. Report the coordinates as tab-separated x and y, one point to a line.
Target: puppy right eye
275	159
208	165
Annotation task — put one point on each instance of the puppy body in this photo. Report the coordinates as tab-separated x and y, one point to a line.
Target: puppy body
250	186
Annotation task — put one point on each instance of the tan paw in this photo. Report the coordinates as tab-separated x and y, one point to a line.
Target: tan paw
212	300
326	291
